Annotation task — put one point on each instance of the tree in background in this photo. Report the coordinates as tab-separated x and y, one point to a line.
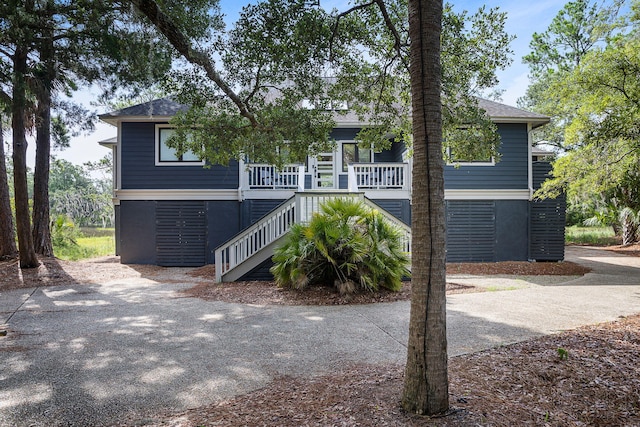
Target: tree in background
598	83
80	197
8	247
46	49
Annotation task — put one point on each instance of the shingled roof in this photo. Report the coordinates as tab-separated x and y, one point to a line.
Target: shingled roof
165	108
502	113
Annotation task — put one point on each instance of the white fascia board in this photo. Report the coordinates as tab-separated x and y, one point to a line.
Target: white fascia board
486	194
268	194
178	194
387	194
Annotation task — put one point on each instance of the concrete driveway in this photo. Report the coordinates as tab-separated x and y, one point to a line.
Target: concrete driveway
90	354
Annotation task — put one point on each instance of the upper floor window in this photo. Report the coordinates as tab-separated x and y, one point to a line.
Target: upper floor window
351	153
453	159
169	156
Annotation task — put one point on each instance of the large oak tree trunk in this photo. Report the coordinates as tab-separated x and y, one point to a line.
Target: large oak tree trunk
426	386
41	210
28	258
8	247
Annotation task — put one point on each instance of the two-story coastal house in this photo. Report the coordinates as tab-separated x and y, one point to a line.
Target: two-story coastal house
172	211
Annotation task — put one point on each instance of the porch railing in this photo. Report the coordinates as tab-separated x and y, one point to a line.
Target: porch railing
378	176
269	177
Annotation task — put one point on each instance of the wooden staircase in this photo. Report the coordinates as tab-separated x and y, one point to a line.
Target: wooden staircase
254	245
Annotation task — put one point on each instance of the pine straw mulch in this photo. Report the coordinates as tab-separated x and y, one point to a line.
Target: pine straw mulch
263	293
524	384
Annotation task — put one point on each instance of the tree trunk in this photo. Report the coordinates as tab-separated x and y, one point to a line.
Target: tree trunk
41	216
7	234
426	385
28	258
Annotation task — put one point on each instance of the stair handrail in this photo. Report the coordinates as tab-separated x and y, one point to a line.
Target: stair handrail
404	228
254	238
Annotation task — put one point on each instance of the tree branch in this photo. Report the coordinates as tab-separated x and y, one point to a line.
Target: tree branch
182	44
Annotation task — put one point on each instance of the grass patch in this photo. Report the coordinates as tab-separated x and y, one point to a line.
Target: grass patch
596	236
87	247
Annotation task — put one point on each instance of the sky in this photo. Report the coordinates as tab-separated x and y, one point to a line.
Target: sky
523	19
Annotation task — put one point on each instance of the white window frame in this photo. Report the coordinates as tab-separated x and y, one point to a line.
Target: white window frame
158	162
341	154
450	162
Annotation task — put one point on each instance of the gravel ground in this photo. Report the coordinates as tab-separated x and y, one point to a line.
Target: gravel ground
108	369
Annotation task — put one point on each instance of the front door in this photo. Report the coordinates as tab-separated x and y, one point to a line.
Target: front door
324	173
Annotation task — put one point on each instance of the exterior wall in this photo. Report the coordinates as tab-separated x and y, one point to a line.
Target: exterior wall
138	232
254	209
139	171
487	230
140	225
401	209
509	173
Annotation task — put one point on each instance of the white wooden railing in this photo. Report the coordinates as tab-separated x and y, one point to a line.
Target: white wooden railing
377	176
255	238
269	177
272	227
404	228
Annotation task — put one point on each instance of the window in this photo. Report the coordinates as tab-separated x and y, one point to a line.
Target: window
452	159
166	155
351	153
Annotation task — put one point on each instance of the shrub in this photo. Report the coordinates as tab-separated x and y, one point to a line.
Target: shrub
64	232
346	245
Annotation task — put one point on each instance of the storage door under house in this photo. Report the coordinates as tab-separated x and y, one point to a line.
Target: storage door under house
471	231
181	233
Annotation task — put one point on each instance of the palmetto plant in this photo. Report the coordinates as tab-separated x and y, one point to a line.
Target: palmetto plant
346	245
630	221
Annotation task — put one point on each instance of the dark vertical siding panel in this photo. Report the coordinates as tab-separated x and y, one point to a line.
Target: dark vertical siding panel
548	219
401	209
471	231
254	209
509	173
140	172
343	181
116	211
137	232
223	222
181	233
512	230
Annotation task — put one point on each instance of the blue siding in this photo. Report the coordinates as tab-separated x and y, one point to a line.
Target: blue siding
344	134
509	173
223	222
401	209
140	172
254	209
392	155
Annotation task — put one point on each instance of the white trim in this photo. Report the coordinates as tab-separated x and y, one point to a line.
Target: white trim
177	194
268	194
396	194
486	194
456	163
156	139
